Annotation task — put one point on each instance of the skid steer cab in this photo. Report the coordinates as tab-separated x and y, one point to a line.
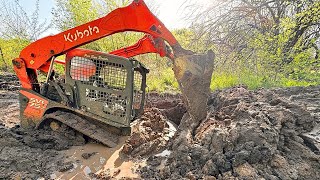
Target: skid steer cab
108	88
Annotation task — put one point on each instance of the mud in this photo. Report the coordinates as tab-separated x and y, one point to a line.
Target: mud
34	154
105	163
22	155
150	134
244	135
248	135
9	82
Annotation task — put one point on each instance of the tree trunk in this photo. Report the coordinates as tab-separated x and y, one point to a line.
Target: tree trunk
4	61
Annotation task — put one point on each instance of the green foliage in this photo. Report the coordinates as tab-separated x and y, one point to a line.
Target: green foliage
163	82
276	54
223	80
10	49
59	69
188	39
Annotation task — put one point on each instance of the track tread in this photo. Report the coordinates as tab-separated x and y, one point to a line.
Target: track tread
85	127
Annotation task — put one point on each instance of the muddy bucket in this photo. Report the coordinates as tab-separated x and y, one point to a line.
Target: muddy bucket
194	73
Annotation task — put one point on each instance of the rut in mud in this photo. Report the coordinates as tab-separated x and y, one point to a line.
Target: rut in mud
248	135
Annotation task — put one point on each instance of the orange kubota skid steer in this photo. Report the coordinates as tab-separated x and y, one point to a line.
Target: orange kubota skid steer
101	93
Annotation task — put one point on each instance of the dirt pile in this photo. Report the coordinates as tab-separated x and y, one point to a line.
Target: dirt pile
170	105
153	130
248	135
150	134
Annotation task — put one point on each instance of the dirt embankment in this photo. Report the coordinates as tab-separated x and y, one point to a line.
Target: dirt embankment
248	135
150	134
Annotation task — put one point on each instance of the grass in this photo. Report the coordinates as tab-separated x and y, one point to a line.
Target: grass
253	81
164	80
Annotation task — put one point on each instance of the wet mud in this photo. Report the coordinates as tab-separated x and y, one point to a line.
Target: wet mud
150	134
262	134
65	154
248	135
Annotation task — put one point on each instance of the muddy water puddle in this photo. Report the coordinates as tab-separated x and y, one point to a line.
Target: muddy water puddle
102	159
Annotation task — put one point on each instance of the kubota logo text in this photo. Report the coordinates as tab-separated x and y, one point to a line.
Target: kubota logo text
81	34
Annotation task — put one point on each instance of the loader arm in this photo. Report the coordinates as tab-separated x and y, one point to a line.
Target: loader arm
135	17
147	44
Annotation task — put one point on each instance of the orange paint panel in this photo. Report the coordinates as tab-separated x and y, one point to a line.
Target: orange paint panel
36	106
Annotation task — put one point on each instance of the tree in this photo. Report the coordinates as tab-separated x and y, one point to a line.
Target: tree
17	29
16	23
274	39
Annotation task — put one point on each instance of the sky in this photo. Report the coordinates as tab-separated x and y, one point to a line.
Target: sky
170	12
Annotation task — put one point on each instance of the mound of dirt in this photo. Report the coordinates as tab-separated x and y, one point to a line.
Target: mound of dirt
248	135
150	134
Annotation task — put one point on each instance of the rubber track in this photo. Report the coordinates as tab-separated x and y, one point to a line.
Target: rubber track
85	127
